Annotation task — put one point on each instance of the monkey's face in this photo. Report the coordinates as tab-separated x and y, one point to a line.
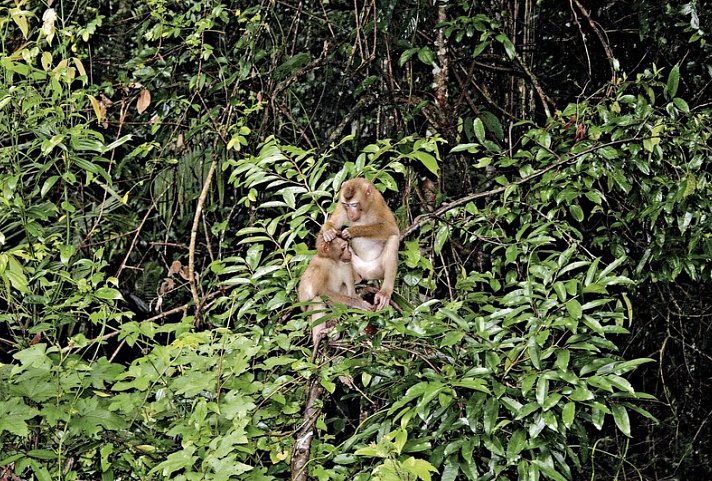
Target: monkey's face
353	210
342	247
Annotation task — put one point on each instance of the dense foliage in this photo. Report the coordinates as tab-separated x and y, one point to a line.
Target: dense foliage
166	165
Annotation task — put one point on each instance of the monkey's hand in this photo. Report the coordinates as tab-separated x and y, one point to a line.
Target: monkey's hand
381	299
329	233
346	234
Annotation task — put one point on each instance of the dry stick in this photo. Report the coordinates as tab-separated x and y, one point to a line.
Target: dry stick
194	237
196	219
305	434
423	218
122	116
583	39
366	100
535	82
154	205
134	240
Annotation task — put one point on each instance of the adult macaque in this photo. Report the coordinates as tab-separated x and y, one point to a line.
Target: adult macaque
330	276
373	232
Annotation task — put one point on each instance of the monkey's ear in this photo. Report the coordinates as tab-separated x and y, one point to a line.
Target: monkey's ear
322	246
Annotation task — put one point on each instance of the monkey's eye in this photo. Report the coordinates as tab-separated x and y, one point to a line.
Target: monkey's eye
350	205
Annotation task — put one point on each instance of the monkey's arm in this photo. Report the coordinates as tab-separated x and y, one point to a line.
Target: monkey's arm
332	227
379	230
332	298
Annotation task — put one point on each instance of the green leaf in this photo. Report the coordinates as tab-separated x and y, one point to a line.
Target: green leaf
568	414
48	184
428	161
490	414
108	293
441	237
419	467
177	461
118	142
673	82
479	128
450	470
560	290
681	104
598	417
405	56
690	185
414	391
620	416
621	383
507	44
426	56
581	394
574	308
608	152
474	384
534	352
626	366
548	470
15	413
41	473
542	388
33	356
576	212
13	271
562	359
493	124
92	417
517	444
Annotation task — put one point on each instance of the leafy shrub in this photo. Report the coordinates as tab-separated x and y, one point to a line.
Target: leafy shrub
501	363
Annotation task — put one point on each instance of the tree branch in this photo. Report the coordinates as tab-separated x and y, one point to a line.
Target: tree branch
194	237
305	434
601	38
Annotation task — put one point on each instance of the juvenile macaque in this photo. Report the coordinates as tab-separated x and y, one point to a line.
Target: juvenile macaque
373	232
330	276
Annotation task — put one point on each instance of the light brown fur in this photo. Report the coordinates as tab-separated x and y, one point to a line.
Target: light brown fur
373	232
328	280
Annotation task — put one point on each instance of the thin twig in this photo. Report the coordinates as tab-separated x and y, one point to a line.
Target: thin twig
601	38
135	239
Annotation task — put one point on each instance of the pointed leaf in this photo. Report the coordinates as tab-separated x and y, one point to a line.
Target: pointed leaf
620	416
479	130
568	413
